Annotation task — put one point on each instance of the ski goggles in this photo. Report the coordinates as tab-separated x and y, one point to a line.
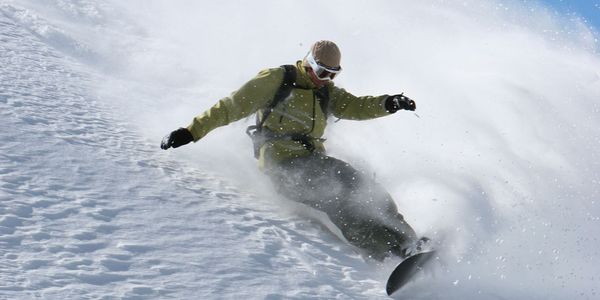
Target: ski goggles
322	72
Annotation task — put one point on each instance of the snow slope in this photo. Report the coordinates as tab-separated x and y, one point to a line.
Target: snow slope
500	165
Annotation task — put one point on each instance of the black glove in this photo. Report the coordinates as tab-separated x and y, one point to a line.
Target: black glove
176	138
397	102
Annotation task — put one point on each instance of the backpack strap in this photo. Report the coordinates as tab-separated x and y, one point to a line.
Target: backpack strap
323	96
288	83
284	90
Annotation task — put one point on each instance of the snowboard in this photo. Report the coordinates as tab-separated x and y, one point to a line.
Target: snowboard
407	269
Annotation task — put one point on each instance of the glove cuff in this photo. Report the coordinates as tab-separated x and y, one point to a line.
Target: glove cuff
390	106
181	137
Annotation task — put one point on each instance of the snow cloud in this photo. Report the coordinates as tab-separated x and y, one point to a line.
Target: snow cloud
500	160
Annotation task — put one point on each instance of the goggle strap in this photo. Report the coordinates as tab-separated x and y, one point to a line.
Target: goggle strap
320	69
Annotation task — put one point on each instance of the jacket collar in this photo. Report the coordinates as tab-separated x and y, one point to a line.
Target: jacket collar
303	79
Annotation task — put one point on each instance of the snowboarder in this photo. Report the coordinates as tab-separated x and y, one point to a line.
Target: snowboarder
292	104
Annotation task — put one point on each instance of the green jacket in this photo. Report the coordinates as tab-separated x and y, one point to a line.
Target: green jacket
300	113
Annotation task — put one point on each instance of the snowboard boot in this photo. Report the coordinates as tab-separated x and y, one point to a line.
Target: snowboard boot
423	244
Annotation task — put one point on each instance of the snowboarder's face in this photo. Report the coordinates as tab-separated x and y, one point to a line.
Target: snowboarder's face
318	82
319	73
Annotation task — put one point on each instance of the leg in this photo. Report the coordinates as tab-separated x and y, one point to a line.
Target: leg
364	212
371	221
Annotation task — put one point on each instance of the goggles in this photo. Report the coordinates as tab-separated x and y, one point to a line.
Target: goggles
321	71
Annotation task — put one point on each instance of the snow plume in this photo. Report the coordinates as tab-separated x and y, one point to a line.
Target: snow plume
499	163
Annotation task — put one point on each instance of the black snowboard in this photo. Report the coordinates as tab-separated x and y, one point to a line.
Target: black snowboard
407	269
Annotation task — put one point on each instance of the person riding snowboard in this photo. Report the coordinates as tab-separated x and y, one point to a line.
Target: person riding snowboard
292	104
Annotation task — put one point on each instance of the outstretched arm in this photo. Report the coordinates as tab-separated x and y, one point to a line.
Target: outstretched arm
253	95
344	105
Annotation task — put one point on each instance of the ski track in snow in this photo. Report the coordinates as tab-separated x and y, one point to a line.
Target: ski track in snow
87	210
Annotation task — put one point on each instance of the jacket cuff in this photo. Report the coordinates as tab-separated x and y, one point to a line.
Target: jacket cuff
194	132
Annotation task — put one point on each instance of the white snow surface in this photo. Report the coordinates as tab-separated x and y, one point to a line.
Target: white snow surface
500	165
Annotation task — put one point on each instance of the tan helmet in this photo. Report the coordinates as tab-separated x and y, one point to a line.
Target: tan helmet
326	53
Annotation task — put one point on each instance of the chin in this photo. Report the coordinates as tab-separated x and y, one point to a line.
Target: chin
320	83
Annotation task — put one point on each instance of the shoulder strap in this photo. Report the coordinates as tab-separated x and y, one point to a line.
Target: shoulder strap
323	95
287	84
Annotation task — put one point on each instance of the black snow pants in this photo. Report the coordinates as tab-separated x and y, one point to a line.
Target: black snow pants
361	208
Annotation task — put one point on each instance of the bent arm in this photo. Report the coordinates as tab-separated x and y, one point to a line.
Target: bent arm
253	95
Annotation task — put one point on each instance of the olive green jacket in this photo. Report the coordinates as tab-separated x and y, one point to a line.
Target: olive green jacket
300	113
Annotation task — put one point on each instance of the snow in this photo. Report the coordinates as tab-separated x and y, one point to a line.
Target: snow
500	166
